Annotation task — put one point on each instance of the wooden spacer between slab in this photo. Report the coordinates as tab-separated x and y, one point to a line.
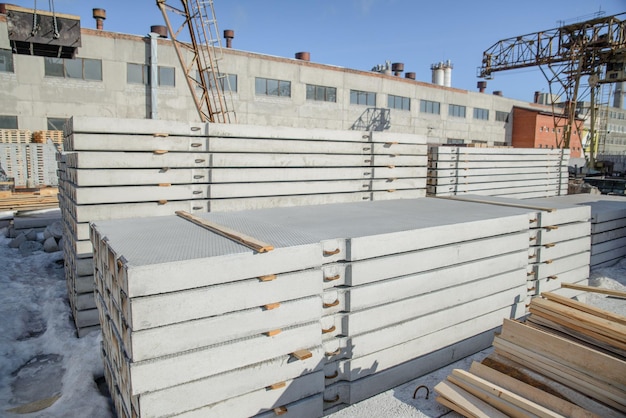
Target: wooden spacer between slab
273	332
162	202
160	135
267	278
550	245
160	151
281	410
276	385
271	306
165	184
302	354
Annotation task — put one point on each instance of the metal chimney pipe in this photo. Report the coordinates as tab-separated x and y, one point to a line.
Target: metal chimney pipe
482	85
303	56
397	68
229	34
100	15
410	75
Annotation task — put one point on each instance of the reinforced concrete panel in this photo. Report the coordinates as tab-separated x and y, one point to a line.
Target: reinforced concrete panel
385	315
263	399
98	125
156	249
173	307
227	385
177	369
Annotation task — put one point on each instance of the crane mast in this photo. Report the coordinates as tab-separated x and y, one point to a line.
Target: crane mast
594	48
209	88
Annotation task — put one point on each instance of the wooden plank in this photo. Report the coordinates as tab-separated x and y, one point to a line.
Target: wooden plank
602	366
584	320
531	393
569	377
594	289
501	399
454	407
236	236
467	402
583	306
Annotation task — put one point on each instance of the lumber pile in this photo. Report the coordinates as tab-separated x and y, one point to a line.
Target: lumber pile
56	137
15	136
507	172
137	168
567	359
22	201
372	291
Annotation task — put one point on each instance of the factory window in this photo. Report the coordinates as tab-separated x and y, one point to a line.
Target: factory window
502	116
137	74
398	102
167	76
455	141
366	98
321	93
481	113
8	122
140	74
227	82
56	124
427	106
456	111
271	87
6	61
82	68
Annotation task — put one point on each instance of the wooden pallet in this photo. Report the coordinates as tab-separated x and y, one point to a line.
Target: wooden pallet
41	137
15	136
34	200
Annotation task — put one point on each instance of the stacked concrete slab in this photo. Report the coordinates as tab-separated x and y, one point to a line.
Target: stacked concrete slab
355	299
521	173
135	168
608	227
559	241
30	165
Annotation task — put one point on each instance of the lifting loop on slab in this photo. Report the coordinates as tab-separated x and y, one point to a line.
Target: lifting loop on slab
333	353
332	278
418	388
333	252
330	305
333	400
327	330
332	376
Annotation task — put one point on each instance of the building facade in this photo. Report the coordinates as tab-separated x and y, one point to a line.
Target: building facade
110	76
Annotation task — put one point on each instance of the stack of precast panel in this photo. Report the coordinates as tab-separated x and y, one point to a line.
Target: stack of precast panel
608	227
354	299
521	173
560	244
30	165
136	168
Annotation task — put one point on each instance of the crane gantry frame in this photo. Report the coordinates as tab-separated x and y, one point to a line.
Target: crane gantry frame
209	88
594	48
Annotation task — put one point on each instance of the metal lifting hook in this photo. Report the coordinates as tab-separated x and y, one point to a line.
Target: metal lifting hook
418	388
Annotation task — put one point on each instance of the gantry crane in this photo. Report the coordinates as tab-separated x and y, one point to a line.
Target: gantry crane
594	48
209	88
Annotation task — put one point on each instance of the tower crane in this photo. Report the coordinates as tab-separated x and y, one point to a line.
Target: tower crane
209	88
594	48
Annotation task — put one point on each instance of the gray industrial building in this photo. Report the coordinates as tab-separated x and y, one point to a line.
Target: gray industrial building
109	75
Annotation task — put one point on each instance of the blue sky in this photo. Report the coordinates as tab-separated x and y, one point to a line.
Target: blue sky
360	34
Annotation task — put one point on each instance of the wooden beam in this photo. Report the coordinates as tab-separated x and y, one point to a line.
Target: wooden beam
231	234
467	402
531	393
595	289
611	316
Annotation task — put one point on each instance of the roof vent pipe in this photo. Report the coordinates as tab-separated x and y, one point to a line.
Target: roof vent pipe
410	75
497	93
397	68
304	56
159	30
229	35
536	97
481	85
100	15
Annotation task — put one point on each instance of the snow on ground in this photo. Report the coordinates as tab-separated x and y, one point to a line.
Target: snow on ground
42	362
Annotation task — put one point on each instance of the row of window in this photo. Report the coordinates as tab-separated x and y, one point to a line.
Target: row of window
10	122
91	69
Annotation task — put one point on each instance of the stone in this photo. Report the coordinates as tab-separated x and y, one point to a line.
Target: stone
31	235
50	245
29	247
17	241
56	229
